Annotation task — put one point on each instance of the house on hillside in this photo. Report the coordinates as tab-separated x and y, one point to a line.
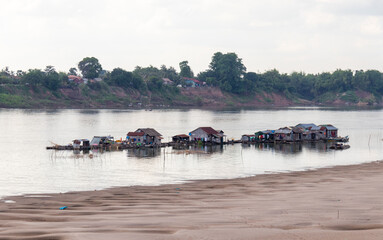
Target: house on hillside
207	134
191	82
151	136
75	79
167	81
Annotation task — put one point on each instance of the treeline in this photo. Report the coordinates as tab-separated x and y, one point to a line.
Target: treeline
228	72
225	71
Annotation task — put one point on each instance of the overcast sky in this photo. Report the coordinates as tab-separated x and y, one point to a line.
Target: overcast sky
289	35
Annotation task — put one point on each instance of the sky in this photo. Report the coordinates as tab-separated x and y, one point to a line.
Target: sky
311	36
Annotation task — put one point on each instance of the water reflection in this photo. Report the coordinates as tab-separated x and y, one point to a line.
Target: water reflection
290	148
285	148
179	150
89	111
144	152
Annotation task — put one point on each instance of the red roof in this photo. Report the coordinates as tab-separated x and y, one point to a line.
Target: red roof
192	79
209	130
135	134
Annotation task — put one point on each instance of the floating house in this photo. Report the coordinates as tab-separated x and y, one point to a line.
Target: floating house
135	137
283	134
329	131
81	144
151	136
101	140
265	136
297	134
248	138
207	134
181	138
311	132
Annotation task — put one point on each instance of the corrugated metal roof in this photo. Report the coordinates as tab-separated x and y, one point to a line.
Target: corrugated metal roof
283	131
329	127
306	125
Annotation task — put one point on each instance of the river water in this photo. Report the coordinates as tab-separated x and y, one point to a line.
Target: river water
27	167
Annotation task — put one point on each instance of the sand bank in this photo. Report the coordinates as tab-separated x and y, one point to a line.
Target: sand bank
344	202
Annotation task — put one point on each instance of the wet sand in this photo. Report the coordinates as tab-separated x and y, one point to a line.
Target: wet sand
344	202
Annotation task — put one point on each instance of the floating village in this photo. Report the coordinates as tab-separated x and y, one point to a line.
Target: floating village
150	138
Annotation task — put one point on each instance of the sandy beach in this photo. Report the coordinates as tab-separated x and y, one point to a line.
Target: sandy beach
344	202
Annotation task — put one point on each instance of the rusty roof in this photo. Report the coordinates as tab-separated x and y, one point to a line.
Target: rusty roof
149	131
181	135
135	134
208	130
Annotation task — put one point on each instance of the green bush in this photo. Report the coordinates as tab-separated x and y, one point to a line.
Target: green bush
349	96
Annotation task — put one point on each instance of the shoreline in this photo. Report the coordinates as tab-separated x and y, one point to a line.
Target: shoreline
212	108
340	202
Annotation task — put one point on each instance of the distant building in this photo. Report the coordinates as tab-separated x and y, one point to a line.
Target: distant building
207	134
75	79
248	138
135	137
167	81
150	136
329	130
283	134
191	82
181	138
311	132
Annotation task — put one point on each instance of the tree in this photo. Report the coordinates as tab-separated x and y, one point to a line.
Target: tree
186	70
90	67
121	78
147	72
34	77
170	73
155	83
73	71
51	78
228	71
20	73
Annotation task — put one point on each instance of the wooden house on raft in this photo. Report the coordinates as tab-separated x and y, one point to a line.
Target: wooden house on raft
248	138
135	137
264	136
311	132
148	136
181	138
329	131
207	135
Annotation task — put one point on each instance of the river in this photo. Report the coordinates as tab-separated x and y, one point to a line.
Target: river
27	167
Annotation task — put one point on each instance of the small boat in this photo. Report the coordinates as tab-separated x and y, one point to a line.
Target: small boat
339	146
338	139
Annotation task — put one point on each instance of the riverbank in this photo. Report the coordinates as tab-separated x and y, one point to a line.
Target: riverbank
342	202
112	97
